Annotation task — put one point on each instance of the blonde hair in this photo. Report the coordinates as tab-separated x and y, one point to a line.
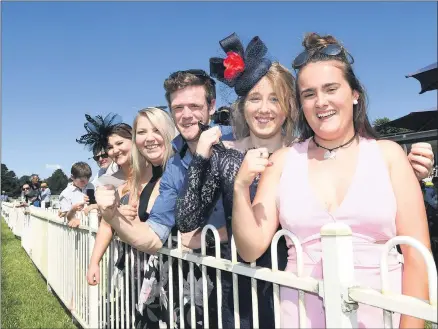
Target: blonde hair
283	84
162	121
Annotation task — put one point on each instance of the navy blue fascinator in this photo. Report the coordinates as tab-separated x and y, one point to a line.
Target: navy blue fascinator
241	69
98	130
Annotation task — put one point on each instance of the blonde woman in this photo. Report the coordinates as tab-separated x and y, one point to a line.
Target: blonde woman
153	131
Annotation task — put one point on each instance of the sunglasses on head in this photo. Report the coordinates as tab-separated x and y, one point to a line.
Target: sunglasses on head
199	73
329	50
97	157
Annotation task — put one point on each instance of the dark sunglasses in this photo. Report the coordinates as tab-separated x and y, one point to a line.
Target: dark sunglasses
103	156
26	188
199	73
329	50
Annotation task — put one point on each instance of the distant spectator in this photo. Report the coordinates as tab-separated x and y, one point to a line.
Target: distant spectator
35	189
29	196
430	194
45	195
105	164
4	196
74	197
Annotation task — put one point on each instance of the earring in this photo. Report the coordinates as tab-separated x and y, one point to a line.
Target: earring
355	102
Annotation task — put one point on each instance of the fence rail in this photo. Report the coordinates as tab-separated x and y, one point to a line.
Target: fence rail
62	255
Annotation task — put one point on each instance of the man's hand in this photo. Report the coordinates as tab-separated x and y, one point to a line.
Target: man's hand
192	240
421	159
89	208
78	206
207	139
75	222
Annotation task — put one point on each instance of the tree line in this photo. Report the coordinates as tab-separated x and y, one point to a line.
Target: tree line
12	185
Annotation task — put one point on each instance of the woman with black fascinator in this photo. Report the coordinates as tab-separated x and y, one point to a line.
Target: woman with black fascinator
96	140
262	120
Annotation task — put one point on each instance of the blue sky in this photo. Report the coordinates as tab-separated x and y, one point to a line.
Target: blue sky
61	60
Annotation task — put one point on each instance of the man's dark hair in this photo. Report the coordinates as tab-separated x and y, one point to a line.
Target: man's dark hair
81	169
182	79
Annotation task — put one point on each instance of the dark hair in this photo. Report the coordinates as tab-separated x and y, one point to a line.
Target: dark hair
81	169
313	43
182	79
122	129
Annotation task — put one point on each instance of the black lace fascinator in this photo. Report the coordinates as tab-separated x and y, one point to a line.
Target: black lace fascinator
98	129
241	69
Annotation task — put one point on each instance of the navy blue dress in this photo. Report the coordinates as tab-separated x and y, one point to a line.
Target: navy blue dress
207	180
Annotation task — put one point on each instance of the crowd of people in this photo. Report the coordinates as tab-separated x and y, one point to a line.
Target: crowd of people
299	153
35	193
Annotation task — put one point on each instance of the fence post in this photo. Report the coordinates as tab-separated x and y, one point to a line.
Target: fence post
338	276
93	291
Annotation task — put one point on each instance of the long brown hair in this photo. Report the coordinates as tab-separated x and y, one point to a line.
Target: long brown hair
283	84
313	43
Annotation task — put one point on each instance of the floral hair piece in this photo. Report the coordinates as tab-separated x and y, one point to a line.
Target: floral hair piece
241	69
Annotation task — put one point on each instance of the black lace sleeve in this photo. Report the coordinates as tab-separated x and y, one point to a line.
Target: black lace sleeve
199	194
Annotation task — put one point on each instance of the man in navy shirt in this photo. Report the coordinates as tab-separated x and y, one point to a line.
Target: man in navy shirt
191	96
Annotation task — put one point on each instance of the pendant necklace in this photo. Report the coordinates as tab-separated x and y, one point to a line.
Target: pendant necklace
330	153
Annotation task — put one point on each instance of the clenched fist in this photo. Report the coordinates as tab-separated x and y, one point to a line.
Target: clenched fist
107	200
207	139
422	159
254	163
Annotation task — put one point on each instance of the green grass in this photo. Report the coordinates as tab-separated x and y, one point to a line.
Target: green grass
25	301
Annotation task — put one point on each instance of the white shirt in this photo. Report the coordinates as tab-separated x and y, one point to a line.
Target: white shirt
72	195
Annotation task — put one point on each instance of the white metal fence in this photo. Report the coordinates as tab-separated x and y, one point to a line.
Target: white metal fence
62	255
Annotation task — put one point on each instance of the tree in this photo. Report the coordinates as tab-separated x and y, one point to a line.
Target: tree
57	182
25	179
9	182
387	130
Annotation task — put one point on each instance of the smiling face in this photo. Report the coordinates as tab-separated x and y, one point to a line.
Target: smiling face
327	99
262	110
188	106
119	149
102	159
149	141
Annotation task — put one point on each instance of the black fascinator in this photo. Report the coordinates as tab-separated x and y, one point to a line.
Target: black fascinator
98	129
241	69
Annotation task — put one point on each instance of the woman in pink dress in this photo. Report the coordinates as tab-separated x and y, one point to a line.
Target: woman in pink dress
338	172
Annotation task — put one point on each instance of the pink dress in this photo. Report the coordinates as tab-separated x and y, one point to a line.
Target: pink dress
369	208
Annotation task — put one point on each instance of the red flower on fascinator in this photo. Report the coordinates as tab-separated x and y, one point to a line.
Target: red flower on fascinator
234	65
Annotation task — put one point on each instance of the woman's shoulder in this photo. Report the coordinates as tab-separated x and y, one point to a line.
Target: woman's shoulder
390	150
